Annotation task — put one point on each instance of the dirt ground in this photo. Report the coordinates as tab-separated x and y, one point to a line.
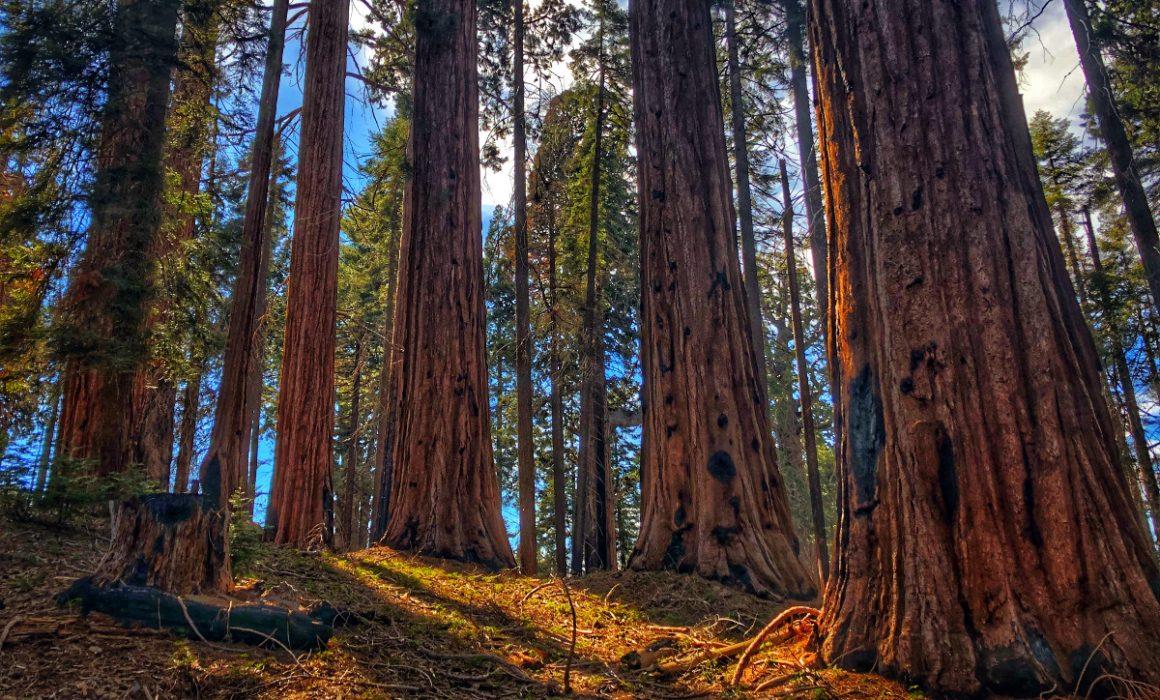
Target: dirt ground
424	628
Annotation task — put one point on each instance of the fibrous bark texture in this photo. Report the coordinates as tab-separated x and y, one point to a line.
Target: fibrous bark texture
303	457
986	538
712	498
444	494
235	408
169	542
102	315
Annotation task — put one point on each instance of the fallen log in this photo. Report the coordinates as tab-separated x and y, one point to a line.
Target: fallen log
203	618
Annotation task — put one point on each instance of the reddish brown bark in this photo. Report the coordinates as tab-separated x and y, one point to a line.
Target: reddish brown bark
445	494
303	456
526	470
190	405
986	538
805	393
103	313
233	414
713	501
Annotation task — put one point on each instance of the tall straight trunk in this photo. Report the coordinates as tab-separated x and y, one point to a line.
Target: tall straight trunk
1067	236
303	457
103	313
559	493
593	547
384	465
526	471
1144	467
713	501
47	443
805	393
189	143
986	537
445	496
346	510
190	406
233	413
744	196
256	372
254	461
1124	167
804	129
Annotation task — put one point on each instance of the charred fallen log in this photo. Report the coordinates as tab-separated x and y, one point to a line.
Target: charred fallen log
204	618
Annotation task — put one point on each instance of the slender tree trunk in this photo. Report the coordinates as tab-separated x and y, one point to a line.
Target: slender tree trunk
592	545
445	494
1067	235
103	314
46	445
525	455
190	406
1144	467
346	511
804	125
303	456
254	462
559	492
1124	167
713	501
744	197
809	432
233	413
986	539
189	142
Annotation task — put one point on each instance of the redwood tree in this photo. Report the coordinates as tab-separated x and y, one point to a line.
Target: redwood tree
444	496
233	416
986	539
713	501
303	457
103	312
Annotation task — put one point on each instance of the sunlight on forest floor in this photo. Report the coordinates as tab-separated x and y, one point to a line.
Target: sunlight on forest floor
425	628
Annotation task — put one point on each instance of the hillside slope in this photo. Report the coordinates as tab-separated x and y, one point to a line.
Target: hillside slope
424	628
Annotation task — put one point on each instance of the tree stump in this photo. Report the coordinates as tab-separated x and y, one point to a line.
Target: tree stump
170	542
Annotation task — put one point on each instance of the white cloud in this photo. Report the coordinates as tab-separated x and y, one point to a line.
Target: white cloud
1052	80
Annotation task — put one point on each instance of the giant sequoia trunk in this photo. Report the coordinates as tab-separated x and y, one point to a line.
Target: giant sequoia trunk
713	501
234	410
525	449
191	124
986	537
303	457
1124	167
103	312
444	494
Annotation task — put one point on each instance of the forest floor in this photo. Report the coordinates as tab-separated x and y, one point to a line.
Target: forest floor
425	628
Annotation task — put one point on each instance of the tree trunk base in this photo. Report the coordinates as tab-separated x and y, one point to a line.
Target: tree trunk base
203	618
170	542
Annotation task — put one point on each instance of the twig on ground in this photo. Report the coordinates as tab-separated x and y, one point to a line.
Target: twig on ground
8	628
774	624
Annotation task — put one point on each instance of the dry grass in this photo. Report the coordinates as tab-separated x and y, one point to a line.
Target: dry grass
425	628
